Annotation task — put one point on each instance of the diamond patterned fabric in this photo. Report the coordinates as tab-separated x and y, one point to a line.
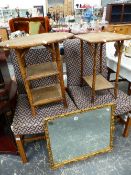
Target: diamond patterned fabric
25	123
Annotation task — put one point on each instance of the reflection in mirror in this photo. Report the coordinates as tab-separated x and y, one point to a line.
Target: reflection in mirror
79	135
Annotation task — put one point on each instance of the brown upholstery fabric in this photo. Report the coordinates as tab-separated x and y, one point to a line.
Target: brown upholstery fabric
21	25
41	29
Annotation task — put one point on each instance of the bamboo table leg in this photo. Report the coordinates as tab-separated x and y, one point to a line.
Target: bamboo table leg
120	47
94	72
101	49
81	50
21	61
52	49
60	75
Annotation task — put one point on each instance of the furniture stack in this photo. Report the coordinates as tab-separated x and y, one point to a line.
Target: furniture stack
35	67
41	95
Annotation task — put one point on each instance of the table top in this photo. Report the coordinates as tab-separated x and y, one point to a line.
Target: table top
35	40
102	37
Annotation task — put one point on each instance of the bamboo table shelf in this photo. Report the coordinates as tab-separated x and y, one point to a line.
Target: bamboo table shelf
98	82
40	95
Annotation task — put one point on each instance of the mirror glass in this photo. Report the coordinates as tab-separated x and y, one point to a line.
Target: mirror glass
75	135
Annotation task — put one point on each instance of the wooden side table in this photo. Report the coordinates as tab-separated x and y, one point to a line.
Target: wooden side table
98	82
41	95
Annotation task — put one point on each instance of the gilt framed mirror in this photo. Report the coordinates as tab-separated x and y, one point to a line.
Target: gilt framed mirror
79	134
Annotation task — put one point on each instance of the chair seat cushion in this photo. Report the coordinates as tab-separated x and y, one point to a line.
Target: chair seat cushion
82	98
25	123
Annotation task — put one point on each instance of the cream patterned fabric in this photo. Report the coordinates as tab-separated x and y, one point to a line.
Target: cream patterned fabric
25	123
82	98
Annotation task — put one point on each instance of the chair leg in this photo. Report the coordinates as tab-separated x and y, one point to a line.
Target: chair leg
21	148
129	88
127	125
109	73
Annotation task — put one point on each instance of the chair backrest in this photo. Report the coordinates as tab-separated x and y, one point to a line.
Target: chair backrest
72	58
4	34
35	55
23	23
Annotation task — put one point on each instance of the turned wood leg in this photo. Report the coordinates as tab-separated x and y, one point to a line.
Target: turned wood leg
101	49
120	47
21	148
60	75
94	73
127	125
22	65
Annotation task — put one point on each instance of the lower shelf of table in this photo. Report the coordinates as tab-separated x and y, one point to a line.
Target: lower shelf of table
100	84
43	95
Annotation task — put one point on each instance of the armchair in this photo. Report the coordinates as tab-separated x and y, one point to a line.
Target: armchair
23	24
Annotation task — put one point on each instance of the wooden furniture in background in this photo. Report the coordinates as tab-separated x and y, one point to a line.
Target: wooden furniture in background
4	34
40	95
98	82
23	23
119	28
118	13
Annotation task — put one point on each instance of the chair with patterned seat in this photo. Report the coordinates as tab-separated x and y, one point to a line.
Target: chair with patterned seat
81	95
23	122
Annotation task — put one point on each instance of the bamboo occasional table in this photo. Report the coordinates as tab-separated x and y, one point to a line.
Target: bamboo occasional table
98	82
41	95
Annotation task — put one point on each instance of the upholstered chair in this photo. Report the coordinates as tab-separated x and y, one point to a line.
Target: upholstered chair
23	122
24	23
82	95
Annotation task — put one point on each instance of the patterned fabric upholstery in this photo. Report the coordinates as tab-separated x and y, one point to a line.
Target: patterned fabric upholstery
82	98
73	62
35	55
25	123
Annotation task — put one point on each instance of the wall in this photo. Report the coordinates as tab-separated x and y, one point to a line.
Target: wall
24	4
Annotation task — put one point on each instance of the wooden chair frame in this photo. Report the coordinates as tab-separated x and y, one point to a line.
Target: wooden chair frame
127	126
4	34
